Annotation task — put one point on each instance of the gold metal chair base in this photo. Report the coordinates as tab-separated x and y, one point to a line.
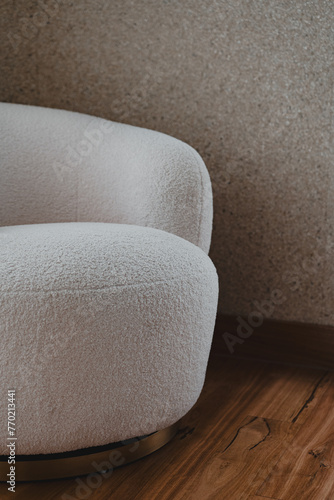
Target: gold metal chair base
100	459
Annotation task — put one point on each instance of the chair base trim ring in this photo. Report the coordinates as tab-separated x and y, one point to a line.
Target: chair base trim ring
99	460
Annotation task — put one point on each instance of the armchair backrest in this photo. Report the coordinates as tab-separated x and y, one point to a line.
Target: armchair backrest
61	166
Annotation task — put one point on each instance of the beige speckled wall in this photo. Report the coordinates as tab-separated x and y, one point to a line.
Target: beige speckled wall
249	84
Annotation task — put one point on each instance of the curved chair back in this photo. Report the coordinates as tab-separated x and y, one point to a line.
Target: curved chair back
61	166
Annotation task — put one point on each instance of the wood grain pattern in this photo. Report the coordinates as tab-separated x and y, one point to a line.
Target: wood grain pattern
259	431
278	341
311	457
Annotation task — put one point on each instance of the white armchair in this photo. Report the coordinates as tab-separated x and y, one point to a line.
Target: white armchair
107	296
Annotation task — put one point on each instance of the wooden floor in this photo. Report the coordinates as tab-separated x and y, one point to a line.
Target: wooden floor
258	431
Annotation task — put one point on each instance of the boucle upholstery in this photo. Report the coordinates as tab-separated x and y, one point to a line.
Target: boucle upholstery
60	166
105	327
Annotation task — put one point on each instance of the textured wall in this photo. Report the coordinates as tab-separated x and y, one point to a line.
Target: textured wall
249	84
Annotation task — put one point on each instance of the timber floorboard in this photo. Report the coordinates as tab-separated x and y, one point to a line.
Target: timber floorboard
258	431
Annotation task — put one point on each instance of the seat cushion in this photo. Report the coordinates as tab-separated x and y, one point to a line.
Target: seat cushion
105	331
